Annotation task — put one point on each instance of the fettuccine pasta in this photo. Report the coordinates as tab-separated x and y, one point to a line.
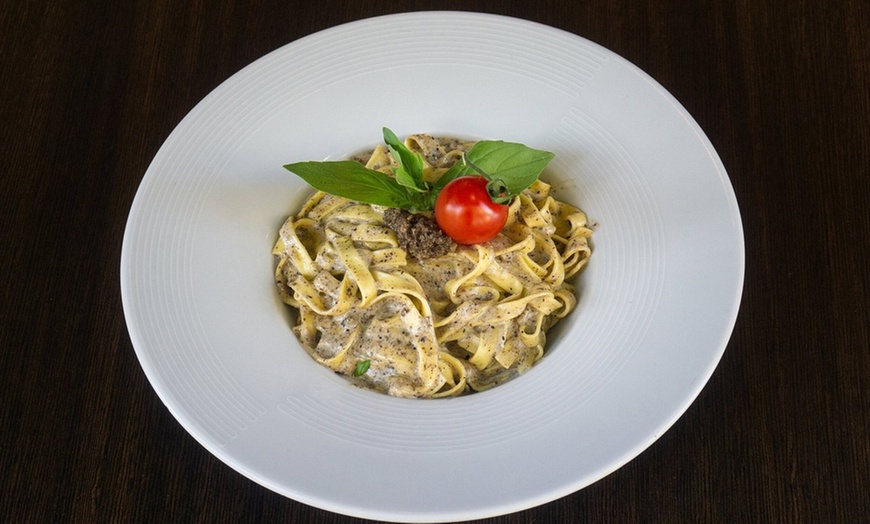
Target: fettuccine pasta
440	327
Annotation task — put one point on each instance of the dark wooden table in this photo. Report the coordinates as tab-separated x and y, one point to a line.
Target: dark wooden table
91	88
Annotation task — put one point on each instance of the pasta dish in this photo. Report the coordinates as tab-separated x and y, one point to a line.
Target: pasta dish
461	320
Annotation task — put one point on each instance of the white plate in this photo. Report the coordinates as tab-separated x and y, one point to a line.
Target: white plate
658	301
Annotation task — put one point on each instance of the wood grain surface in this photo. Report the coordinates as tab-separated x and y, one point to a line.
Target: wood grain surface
91	88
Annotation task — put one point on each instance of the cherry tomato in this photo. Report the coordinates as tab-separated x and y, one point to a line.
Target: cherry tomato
465	211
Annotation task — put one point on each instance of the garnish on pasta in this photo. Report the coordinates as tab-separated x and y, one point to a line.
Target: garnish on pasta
382	299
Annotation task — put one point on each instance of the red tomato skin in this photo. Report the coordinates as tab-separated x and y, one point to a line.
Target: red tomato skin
466	213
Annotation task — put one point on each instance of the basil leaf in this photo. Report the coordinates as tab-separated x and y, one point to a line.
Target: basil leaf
410	172
361	367
517	165
354	181
456	170
405	179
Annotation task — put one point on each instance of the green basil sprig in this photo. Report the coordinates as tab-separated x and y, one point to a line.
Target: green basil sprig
509	166
516	165
361	368
410	170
